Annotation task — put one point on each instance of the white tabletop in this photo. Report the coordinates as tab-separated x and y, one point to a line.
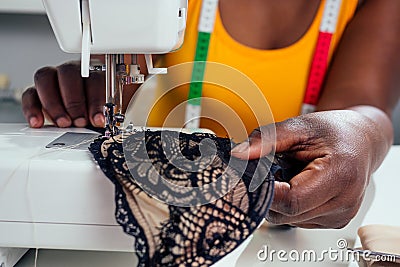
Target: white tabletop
378	207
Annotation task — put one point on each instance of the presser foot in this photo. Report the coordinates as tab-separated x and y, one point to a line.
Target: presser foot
113	120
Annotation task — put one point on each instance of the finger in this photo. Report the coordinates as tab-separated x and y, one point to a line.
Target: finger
305	191
260	142
326	209
279	137
342	212
335	221
95	98
46	84
333	214
308	226
32	108
72	92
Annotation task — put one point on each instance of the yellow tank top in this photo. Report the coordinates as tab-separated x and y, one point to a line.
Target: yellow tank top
280	75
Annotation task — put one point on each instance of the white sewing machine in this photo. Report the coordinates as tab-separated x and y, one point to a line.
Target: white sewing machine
52	197
114	29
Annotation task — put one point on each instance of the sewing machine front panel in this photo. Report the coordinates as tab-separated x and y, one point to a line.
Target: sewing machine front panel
54	198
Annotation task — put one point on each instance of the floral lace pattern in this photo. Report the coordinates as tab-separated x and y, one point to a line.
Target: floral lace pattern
153	168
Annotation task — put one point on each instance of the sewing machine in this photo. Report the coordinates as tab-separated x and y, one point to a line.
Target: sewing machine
123	27
55	197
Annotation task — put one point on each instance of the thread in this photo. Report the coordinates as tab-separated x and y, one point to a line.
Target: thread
36	257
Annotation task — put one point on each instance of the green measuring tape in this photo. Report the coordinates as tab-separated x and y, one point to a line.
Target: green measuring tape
199	67
205	28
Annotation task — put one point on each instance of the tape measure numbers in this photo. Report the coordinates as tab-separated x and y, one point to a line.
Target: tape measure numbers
317	71
320	60
205	28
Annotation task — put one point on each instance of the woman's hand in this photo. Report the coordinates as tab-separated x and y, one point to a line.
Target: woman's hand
340	150
64	97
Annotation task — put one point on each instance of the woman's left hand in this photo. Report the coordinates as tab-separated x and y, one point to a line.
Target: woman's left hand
340	150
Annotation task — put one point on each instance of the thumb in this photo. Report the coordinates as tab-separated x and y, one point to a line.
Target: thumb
278	137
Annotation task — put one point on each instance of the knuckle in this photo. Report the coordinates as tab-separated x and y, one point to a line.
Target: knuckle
341	224
289	123
97	75
256	132
265	129
43	73
349	206
75	107
28	93
275	218
94	109
28	101
95	103
52	107
343	218
351	212
291	207
68	68
265	134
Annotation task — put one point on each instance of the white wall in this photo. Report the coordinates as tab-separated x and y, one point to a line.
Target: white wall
26	44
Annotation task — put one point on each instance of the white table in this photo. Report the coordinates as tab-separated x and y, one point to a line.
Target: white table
381	197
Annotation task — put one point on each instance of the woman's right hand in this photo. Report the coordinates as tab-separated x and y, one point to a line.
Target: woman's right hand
62	96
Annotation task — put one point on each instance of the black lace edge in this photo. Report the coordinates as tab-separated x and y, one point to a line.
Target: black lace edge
141	252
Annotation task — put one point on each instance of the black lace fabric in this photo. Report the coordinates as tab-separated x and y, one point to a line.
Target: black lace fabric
182	196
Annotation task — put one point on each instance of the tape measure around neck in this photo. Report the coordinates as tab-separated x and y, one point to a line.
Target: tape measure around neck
316	75
320	59
205	28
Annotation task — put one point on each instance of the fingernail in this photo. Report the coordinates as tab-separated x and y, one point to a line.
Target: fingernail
63	122
241	147
99	120
34	122
80	122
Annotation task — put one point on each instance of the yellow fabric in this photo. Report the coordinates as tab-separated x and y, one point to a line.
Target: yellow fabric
280	74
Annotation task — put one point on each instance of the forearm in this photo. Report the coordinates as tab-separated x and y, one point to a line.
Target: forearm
376	106
363	76
380	133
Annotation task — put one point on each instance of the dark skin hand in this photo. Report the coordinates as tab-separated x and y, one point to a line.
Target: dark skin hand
67	99
340	149
52	96
341	146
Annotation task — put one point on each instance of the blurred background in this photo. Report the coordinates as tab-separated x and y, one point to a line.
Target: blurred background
28	43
